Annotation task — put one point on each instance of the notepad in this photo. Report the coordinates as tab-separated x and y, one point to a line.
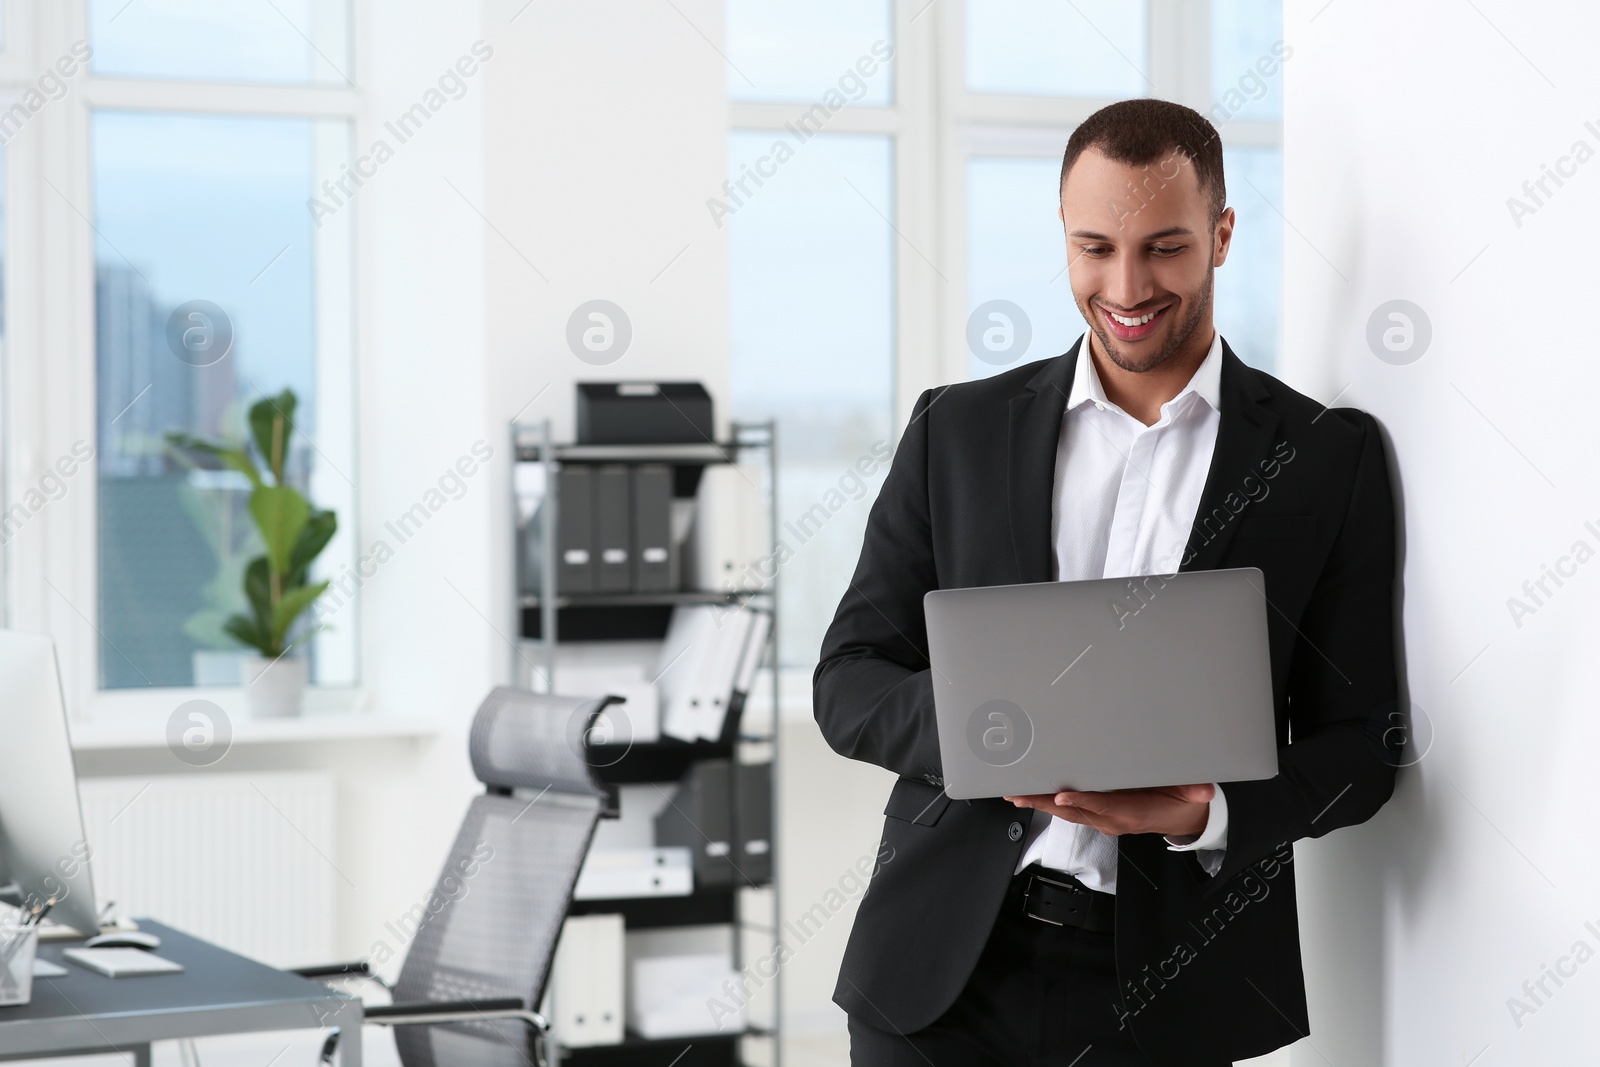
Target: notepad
121	962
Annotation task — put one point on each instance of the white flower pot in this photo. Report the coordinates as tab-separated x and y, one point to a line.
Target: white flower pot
274	688
216	667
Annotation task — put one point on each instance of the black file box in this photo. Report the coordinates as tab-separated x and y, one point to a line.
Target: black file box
643	413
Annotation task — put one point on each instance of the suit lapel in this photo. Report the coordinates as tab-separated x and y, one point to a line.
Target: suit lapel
1032	437
1246	431
1245	434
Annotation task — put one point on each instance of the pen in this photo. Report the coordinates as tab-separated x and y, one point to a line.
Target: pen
40	912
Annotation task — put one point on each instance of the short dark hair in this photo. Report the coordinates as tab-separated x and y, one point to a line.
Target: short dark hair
1142	131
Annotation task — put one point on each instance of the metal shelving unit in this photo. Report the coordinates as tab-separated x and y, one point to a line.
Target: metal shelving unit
543	622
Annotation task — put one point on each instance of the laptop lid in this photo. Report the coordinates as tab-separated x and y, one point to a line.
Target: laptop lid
1111	683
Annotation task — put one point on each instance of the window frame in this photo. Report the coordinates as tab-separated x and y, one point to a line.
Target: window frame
937	125
49	398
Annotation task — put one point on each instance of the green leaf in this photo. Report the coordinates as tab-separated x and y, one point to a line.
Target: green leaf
271	425
206	628
290	605
314	537
190	446
248	632
258	588
280	513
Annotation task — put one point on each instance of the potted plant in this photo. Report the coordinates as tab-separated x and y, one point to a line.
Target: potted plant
277	584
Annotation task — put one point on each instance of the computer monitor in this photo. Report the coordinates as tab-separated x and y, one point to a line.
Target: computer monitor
42	845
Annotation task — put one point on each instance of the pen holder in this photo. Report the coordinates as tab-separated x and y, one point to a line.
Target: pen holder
18	945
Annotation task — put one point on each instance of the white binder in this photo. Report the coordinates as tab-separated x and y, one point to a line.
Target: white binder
699	667
587	983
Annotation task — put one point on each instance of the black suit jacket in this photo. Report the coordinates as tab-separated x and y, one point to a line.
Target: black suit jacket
1206	963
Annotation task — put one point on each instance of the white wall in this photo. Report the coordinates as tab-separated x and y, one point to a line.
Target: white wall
605	133
1409	124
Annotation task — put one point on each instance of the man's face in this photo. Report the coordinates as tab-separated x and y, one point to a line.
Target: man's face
1141	254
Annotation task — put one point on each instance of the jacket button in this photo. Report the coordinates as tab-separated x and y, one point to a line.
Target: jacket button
1014	831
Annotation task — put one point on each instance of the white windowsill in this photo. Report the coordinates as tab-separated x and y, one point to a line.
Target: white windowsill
133	719
153	734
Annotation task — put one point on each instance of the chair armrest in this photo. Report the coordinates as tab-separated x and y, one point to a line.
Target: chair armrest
455	1011
359	968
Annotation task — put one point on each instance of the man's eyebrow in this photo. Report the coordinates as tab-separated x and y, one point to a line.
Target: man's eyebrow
1170	231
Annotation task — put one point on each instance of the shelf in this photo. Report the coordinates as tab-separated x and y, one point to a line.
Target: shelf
616	616
703	907
543	623
631	600
691	1050
666	760
707	452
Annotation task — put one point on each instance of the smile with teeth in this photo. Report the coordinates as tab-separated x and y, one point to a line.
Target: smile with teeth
1140	321
1133	327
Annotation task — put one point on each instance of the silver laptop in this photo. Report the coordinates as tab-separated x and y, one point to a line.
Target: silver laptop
1115	683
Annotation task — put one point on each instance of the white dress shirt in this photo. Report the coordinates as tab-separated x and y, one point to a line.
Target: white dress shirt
1125	498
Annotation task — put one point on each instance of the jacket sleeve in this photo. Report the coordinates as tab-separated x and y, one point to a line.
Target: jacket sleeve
872	691
1339	767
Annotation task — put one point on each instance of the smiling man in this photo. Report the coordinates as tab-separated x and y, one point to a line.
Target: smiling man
1149	926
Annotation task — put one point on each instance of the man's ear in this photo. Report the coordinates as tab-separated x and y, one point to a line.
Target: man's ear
1223	239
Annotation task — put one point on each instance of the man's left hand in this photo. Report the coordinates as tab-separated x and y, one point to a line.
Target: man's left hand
1178	811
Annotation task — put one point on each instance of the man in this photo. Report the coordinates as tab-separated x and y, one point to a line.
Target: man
1146	926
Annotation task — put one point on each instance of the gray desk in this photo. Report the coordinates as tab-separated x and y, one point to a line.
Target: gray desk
84	1013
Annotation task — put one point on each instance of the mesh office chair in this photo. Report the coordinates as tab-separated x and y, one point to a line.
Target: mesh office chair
477	968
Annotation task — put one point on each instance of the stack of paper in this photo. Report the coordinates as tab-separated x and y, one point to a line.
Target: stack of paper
634	872
710	653
677	996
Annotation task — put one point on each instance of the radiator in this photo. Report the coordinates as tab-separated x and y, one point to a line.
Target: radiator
242	860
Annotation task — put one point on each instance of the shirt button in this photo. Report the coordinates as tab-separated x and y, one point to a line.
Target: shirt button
1014	831
1099	406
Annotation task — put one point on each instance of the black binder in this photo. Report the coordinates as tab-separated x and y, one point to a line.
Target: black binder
654	565
699	819
613	530
752	816
575	545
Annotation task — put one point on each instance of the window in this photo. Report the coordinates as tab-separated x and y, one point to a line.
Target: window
813	301
1014	247
291	42
812	240
171	274
206	284
796	51
1091	48
962	244
1017	286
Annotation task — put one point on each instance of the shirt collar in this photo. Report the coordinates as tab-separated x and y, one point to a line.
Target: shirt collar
1206	383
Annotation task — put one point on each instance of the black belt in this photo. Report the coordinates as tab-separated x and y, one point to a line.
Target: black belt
1057	898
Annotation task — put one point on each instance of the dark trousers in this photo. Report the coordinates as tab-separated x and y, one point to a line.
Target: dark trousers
1040	996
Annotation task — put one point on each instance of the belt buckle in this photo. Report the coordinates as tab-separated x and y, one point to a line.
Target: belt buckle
1027	895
